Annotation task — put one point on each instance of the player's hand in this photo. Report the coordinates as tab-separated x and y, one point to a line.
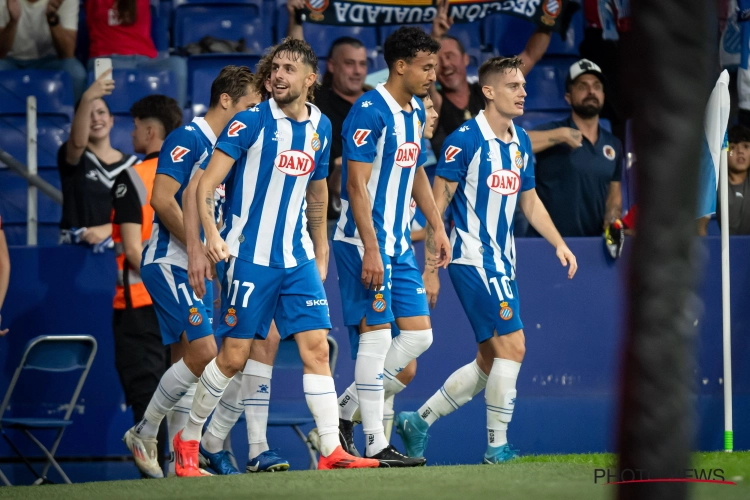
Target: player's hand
431	286
372	270
442	23
567	259
442	248
569	136
199	270
102	86
216	249
14	10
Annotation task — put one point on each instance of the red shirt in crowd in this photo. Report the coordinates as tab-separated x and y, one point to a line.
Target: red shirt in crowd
108	36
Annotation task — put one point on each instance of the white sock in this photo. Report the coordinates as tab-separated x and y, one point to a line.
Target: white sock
500	397
207	395
392	387
177	418
388	417
256	393
368	376
458	389
405	348
320	393
225	416
349	403
173	385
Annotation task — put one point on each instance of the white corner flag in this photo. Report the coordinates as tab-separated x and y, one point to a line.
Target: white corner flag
715	129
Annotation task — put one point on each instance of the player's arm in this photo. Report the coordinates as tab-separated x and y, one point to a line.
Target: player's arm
613	209
165	205
545	139
199	267
539	218
442	191
359	200
437	247
317	208
217	170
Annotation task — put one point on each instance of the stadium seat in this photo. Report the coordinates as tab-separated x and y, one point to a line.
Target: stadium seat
53	355
228	21
507	35
545	85
134	84
51	88
13	201
203	69
159	27
52	131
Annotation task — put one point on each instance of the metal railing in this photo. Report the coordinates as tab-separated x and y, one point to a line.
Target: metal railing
29	173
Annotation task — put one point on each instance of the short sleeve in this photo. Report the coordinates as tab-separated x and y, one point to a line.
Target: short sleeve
240	133
126	200
68	13
177	154
528	178
321	168
458	150
619	160
362	129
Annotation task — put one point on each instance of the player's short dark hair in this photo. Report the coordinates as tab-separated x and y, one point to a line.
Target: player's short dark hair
460	44
492	67
299	50
404	44
327	81
738	133
233	81
161	108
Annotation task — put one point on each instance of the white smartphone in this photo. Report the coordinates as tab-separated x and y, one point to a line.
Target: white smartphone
101	65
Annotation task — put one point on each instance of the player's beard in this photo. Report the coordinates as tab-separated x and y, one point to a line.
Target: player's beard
587	108
290	96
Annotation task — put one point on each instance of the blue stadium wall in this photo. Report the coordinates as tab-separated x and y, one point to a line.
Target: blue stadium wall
566	391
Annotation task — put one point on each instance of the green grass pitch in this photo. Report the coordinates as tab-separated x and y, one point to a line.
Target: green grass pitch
532	477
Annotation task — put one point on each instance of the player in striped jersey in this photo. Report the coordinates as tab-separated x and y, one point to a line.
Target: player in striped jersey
378	276
277	154
488	165
184	318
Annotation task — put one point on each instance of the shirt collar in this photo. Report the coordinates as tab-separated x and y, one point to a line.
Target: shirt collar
487	132
205	128
394	106
279	114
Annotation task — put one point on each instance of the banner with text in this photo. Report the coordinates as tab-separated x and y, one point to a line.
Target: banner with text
551	14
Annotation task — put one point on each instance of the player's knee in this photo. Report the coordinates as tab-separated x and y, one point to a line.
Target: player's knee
314	351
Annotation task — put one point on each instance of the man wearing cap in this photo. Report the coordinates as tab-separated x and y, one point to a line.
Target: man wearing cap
579	164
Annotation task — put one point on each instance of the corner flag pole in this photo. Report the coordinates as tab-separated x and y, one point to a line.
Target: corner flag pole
725	306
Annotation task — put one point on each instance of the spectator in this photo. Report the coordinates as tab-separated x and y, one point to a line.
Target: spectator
457	100
4	273
578	163
88	167
121	29
41	34
739	182
140	357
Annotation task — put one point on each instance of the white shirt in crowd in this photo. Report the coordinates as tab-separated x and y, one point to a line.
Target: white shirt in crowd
33	39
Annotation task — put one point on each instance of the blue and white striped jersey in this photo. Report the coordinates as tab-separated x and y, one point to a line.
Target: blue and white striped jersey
490	175
275	158
181	155
378	131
